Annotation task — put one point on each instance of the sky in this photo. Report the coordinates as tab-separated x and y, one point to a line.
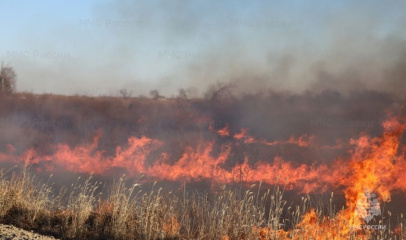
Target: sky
100	47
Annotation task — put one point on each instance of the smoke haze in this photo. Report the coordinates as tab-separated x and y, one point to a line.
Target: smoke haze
141	46
220	92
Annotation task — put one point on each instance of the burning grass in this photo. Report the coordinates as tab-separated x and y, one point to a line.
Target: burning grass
201	143
127	212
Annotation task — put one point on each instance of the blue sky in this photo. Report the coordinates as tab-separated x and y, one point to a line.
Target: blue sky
98	47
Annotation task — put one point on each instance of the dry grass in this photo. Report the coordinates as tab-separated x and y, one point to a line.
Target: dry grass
127	212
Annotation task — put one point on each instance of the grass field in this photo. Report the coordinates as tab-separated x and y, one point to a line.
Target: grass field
127	212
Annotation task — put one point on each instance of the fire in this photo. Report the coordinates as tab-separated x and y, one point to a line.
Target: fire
244	136
314	227
224	132
374	169
302	141
171	226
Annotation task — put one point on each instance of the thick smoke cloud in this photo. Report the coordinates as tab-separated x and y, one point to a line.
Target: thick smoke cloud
41	122
141	46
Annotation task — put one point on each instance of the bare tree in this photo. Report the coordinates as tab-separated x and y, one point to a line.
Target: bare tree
155	94
7	80
124	93
182	94
220	91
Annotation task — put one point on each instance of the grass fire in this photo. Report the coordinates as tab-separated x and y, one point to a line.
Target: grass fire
203	175
224	120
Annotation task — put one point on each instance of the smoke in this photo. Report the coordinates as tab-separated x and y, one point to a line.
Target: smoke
356	46
302	80
328	118
253	91
256	46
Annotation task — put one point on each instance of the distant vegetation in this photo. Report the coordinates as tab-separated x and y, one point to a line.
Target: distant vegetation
7	80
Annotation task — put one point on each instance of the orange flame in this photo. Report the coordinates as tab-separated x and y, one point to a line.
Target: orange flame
224	132
376	165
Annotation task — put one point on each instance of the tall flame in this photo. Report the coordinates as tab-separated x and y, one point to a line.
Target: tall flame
376	165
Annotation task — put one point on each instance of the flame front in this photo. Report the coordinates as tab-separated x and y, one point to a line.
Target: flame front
376	165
